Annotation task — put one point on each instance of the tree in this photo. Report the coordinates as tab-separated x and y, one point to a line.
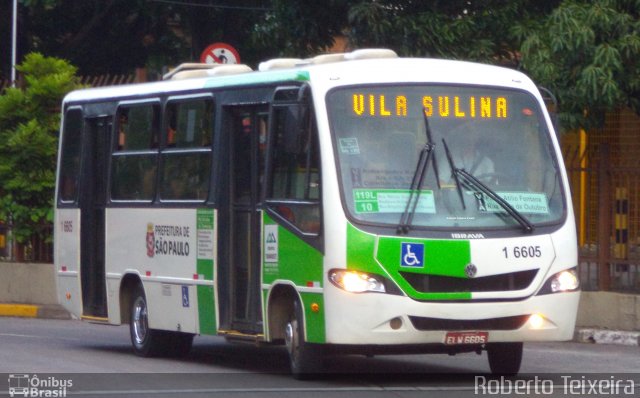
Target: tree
116	36
299	28
484	31
588	53
98	36
29	125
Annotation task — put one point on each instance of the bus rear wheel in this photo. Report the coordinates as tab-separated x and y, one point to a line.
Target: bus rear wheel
305	358
504	358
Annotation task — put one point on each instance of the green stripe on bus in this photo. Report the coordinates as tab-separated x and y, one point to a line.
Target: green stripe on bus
206	299
257	78
294	260
315	325
441	257
206	310
286	257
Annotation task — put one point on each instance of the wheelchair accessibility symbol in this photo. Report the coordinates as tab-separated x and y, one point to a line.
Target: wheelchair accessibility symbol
412	255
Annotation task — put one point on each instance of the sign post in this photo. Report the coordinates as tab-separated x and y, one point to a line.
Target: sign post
220	53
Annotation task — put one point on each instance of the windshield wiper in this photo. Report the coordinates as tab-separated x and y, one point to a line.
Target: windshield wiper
416	187
472	181
430	141
418	180
453	173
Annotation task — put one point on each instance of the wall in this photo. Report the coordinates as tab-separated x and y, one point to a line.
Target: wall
609	310
27	283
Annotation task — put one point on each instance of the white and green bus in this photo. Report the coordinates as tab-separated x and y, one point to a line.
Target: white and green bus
355	203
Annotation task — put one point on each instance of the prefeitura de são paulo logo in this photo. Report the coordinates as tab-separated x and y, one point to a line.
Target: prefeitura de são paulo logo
168	240
150	240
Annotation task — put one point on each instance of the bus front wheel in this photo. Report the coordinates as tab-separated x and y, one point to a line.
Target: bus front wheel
305	358
504	358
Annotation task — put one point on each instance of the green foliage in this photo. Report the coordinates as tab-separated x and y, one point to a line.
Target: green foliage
29	122
485	31
299	28
100	36
587	53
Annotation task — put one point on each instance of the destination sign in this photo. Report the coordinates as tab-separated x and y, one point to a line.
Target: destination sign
442	106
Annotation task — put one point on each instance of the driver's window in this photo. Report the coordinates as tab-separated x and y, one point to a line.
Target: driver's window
294	189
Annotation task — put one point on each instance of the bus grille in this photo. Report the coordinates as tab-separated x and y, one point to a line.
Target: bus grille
506	323
447	284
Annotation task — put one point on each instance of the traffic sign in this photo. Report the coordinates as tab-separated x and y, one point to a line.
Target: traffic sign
220	53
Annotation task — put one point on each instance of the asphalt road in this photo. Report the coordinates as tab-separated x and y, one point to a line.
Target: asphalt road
97	360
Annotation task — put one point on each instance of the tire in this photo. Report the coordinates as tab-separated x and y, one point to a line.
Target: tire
146	342
305	358
504	358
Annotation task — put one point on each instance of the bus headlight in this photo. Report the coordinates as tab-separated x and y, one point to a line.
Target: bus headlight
356	282
565	281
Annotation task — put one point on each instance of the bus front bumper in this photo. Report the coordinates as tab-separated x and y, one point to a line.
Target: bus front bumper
382	319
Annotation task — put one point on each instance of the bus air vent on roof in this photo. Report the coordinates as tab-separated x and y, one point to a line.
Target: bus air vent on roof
229	69
192	70
280	63
366	53
370	53
327	58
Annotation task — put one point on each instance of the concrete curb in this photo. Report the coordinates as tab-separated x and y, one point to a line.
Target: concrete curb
604	336
19	310
49	311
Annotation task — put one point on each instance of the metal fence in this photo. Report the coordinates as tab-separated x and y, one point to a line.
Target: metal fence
606	199
92	81
39	248
107	80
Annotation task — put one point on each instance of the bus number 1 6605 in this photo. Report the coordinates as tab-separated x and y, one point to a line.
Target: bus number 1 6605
522	252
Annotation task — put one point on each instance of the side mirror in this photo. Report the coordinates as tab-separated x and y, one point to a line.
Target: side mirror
551	102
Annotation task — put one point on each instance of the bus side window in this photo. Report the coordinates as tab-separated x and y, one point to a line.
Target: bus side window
295	173
189	123
186	156
185	176
70	158
134	164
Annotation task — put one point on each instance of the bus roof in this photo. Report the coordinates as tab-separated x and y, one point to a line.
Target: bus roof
326	75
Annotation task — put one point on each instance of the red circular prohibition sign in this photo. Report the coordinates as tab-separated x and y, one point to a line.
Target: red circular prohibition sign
220	53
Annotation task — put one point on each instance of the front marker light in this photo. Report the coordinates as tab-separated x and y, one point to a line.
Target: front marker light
356	282
536	321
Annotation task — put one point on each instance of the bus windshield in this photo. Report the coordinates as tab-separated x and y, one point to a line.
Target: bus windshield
496	135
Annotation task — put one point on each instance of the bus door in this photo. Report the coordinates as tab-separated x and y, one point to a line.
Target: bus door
92	200
246	130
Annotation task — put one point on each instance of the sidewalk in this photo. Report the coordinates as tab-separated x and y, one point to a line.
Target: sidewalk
605	336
